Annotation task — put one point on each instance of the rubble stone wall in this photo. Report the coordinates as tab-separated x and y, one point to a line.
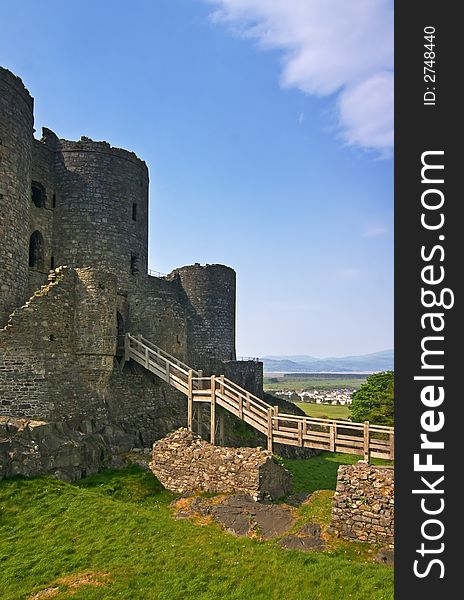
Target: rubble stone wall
183	462
363	505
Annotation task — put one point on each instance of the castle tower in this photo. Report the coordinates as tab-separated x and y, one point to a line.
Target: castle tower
101	209
210	291
16	138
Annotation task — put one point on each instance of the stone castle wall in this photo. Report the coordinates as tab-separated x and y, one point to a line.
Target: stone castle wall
208	292
55	354
41	217
16	123
101	209
67	299
363	505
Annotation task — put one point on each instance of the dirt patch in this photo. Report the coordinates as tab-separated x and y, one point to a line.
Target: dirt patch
69	583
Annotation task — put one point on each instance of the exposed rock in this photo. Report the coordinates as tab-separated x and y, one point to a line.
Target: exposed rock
184	462
294	542
385	556
241	515
311	530
297	499
63	450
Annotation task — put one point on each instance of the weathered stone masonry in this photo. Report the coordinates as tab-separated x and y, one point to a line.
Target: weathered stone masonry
16	138
183	462
73	280
363	505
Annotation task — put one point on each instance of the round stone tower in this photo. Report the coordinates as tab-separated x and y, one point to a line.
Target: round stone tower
101	209
16	139
210	294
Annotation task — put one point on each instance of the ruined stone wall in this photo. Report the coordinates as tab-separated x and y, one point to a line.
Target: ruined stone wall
16	127
363	505
101	212
183	462
208	293
56	356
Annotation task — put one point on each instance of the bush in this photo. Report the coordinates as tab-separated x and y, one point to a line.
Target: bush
374	401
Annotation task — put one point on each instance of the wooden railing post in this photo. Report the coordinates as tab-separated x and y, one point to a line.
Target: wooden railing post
147	363
276	415
333	435
240	406
269	429
200	381
248	401
300	433
190	401
367	453
221	387
213	409
392	444
167	366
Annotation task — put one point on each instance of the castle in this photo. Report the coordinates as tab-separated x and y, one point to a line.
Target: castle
74	279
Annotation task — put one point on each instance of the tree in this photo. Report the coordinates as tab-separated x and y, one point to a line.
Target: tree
374	401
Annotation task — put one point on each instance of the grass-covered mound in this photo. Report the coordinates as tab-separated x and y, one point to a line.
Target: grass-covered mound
113	536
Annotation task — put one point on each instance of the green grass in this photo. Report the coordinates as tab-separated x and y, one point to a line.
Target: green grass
308	384
320	472
328	411
118	528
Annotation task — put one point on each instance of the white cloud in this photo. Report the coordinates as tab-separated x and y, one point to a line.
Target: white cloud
375	231
349	273
329	47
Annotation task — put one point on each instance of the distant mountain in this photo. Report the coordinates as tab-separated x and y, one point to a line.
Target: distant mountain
377	361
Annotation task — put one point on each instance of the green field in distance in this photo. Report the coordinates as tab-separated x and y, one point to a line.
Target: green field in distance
322	411
272	384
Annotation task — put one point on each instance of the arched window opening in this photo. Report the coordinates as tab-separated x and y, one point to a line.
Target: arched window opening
36	251
134	211
38	194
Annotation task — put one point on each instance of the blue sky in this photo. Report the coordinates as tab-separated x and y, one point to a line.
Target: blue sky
268	149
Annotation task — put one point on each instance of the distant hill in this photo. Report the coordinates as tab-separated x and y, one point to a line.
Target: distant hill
377	361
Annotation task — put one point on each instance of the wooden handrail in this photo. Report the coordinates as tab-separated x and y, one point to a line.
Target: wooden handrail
283	428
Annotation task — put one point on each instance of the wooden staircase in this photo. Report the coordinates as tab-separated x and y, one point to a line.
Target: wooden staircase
294	430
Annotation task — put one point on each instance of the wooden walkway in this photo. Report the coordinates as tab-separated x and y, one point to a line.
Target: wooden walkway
294	430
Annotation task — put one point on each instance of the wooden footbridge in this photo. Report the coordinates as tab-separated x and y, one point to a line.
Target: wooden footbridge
281	428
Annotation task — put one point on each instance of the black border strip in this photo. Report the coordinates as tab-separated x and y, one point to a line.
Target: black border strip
423	128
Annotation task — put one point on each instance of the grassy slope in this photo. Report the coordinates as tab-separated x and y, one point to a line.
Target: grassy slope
324	410
119	524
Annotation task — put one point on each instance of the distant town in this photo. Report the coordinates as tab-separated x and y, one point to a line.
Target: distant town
340	396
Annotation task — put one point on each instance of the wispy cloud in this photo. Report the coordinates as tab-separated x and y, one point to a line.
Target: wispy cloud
349	273
373	231
329	47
